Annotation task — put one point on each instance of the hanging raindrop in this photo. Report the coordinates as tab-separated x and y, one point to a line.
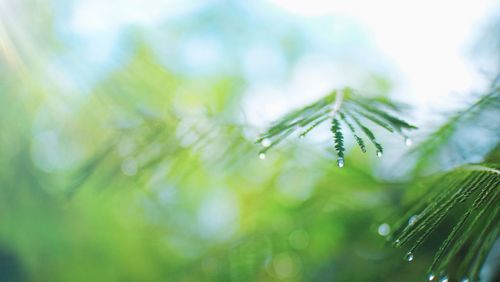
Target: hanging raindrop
444	279
412	220
265	142
409	256
302	135
431	277
408	141
384	229
465	279
340	162
379	154
262	156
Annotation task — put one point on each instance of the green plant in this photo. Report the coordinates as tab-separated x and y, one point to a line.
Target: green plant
341	107
472	192
468	195
469	191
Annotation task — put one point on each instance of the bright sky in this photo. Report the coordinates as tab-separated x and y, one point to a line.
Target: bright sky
426	42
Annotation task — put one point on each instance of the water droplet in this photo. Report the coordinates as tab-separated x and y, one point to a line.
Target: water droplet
340	162
432	276
262	156
412	220
265	142
408	142
465	279
379	154
409	256
301	136
397	243
444	279
384	229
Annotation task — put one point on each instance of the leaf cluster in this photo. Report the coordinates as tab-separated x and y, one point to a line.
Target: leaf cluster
453	138
346	109
472	192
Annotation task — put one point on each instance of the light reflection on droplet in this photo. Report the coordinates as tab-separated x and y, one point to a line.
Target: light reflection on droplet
412	220
340	162
379	154
384	229
409	256
431	277
444	279
265	142
262	156
408	142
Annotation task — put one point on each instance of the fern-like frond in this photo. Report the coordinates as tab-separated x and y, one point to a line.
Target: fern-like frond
359	140
338	137
369	134
342	107
158	142
446	144
473	193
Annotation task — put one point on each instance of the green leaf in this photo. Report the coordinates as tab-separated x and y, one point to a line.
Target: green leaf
341	103
359	140
447	138
472	189
338	140
369	134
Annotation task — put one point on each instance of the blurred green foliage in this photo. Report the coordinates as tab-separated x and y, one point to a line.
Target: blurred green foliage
160	195
148	173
